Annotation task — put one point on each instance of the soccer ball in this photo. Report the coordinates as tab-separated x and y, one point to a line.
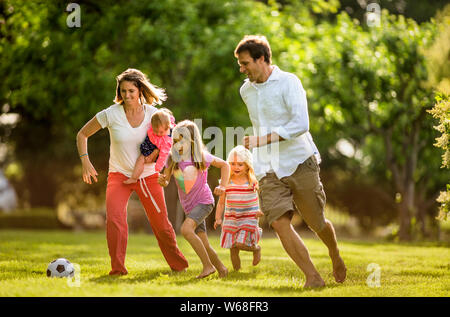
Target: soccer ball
60	268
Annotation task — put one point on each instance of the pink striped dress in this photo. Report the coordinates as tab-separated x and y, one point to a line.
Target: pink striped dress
240	223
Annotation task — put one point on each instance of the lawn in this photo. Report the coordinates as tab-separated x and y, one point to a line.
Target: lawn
405	269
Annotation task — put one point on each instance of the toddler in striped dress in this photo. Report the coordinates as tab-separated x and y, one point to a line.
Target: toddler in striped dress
240	230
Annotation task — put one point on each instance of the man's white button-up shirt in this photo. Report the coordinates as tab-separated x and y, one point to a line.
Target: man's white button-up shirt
279	105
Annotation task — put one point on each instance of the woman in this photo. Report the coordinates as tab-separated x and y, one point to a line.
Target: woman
128	121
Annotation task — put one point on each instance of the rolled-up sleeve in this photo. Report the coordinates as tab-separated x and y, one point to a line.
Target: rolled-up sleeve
296	104
102	118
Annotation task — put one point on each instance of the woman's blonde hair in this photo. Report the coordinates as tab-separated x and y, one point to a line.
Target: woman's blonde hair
149	93
245	156
188	130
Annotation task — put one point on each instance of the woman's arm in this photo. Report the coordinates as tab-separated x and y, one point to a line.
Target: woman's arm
90	128
224	174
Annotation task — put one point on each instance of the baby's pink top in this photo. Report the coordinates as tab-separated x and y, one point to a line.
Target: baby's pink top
163	143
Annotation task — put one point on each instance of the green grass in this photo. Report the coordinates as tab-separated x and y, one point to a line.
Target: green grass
406	269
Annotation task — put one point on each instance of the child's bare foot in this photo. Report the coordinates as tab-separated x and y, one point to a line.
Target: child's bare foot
130	181
339	269
314	282
206	272
257	256
223	272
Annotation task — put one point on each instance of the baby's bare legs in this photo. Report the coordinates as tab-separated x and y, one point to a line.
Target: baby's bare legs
138	169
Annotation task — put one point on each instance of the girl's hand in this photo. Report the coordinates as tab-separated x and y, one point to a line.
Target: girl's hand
88	171
259	213
219	190
217	223
162	180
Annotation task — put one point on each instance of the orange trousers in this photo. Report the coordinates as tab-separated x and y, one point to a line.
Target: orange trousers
150	193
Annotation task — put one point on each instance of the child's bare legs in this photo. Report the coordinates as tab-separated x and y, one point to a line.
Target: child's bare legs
188	231
235	259
221	268
138	169
255	249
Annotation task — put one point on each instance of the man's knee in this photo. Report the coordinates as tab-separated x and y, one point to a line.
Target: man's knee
282	223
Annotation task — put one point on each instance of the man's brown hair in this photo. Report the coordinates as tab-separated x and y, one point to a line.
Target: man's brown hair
256	46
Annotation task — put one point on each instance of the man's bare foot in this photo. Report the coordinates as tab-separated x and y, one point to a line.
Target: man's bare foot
257	256
339	269
130	181
314	282
206	272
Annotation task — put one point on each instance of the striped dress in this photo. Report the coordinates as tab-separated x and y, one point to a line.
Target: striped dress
240	223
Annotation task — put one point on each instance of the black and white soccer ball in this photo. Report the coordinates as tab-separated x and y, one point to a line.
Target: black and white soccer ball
60	268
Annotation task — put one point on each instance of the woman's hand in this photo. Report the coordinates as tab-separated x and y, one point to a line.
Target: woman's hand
162	180
88	171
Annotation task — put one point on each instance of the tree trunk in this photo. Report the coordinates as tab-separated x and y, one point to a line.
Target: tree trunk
406	210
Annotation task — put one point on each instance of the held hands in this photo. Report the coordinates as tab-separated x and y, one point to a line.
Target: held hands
162	180
88	171
217	223
219	190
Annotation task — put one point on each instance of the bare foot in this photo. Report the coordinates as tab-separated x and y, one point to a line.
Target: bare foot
223	272
206	273
339	269
314	282
130	181
257	256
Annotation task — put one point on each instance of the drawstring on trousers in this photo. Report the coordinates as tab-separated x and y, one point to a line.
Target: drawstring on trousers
141	180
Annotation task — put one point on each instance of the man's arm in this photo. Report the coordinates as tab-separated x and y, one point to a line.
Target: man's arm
251	142
295	99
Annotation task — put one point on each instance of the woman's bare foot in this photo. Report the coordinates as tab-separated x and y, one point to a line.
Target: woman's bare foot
130	181
257	255
206	272
314	282
339	269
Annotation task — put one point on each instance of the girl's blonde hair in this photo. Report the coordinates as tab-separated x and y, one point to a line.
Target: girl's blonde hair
189	131
149	93
244	155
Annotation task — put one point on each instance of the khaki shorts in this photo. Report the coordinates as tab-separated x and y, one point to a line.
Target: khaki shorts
301	191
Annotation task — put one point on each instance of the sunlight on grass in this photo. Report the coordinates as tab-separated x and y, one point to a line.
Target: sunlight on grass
406	269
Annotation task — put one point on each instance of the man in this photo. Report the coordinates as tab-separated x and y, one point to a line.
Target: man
289	179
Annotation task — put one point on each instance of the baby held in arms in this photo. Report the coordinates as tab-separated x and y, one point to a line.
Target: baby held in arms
157	144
